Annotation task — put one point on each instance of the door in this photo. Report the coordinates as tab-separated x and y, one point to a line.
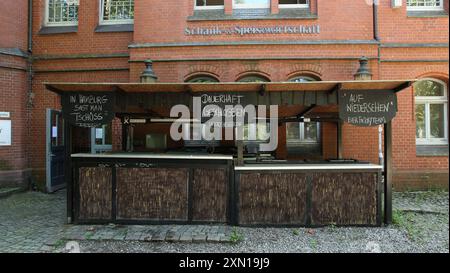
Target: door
55	151
101	139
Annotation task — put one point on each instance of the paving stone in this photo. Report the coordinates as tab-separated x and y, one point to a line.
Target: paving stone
196	238
173	236
158	237
215	238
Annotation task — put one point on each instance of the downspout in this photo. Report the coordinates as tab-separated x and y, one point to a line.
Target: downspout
377	38
375	20
30	55
30	94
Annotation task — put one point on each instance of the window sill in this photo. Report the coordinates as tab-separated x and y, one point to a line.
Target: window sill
432	150
245	14
115	28
426	13
58	30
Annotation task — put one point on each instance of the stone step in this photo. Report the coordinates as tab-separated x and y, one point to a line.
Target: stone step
6	192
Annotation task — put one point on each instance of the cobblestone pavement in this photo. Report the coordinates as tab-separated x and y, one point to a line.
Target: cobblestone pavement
34	222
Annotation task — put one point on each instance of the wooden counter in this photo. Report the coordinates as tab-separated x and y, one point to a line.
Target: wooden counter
204	188
151	188
308	194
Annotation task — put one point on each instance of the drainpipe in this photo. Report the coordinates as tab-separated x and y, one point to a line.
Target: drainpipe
30	57
377	38
375	20
29	102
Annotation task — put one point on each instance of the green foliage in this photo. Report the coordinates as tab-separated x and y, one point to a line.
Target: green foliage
405	220
235	236
295	232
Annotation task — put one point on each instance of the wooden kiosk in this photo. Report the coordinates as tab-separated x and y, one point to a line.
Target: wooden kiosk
135	187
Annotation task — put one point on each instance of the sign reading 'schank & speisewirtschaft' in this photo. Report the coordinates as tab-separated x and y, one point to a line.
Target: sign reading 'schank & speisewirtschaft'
251	30
367	108
88	109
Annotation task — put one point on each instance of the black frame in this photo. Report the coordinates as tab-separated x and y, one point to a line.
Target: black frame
190	164
308	196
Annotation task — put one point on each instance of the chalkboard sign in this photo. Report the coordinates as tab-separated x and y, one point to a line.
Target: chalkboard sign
215	104
367	108
88	109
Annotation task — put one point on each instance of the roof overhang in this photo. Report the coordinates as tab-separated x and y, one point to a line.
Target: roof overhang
320	86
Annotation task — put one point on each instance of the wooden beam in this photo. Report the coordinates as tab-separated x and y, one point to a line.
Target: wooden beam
388	173
54	89
188	89
119	90
402	86
306	111
340	144
262	90
336	88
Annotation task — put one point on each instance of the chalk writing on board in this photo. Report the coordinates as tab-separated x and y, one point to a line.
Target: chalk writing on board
367	108
88	110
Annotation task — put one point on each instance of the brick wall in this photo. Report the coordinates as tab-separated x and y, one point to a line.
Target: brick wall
346	35
13	91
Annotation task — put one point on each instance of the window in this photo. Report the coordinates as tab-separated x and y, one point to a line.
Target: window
117	11
253	78
209	4
300	132
303	137
101	139
62	12
424	4
202	79
293	3
431	112
251	4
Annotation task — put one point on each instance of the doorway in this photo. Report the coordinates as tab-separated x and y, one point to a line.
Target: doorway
55	146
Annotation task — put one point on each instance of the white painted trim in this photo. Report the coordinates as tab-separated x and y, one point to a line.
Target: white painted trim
287	167
428	140
415	8
293	6
57	24
251	6
110	22
155	156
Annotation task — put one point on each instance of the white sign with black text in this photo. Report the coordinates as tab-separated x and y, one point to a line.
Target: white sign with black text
5	133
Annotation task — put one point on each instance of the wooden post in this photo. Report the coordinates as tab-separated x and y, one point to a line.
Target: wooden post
388	173
240	153
68	177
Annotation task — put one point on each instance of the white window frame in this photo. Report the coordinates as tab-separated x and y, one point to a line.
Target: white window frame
251	6
111	22
294	6
54	24
427	101
425	8
207	7
302	139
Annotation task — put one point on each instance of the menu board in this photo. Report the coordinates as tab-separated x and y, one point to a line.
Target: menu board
367	108
88	109
225	106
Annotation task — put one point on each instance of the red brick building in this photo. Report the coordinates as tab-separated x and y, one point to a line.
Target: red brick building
228	41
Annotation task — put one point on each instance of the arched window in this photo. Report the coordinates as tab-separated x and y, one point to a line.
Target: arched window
302	79
202	79
253	78
303	138
431	112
